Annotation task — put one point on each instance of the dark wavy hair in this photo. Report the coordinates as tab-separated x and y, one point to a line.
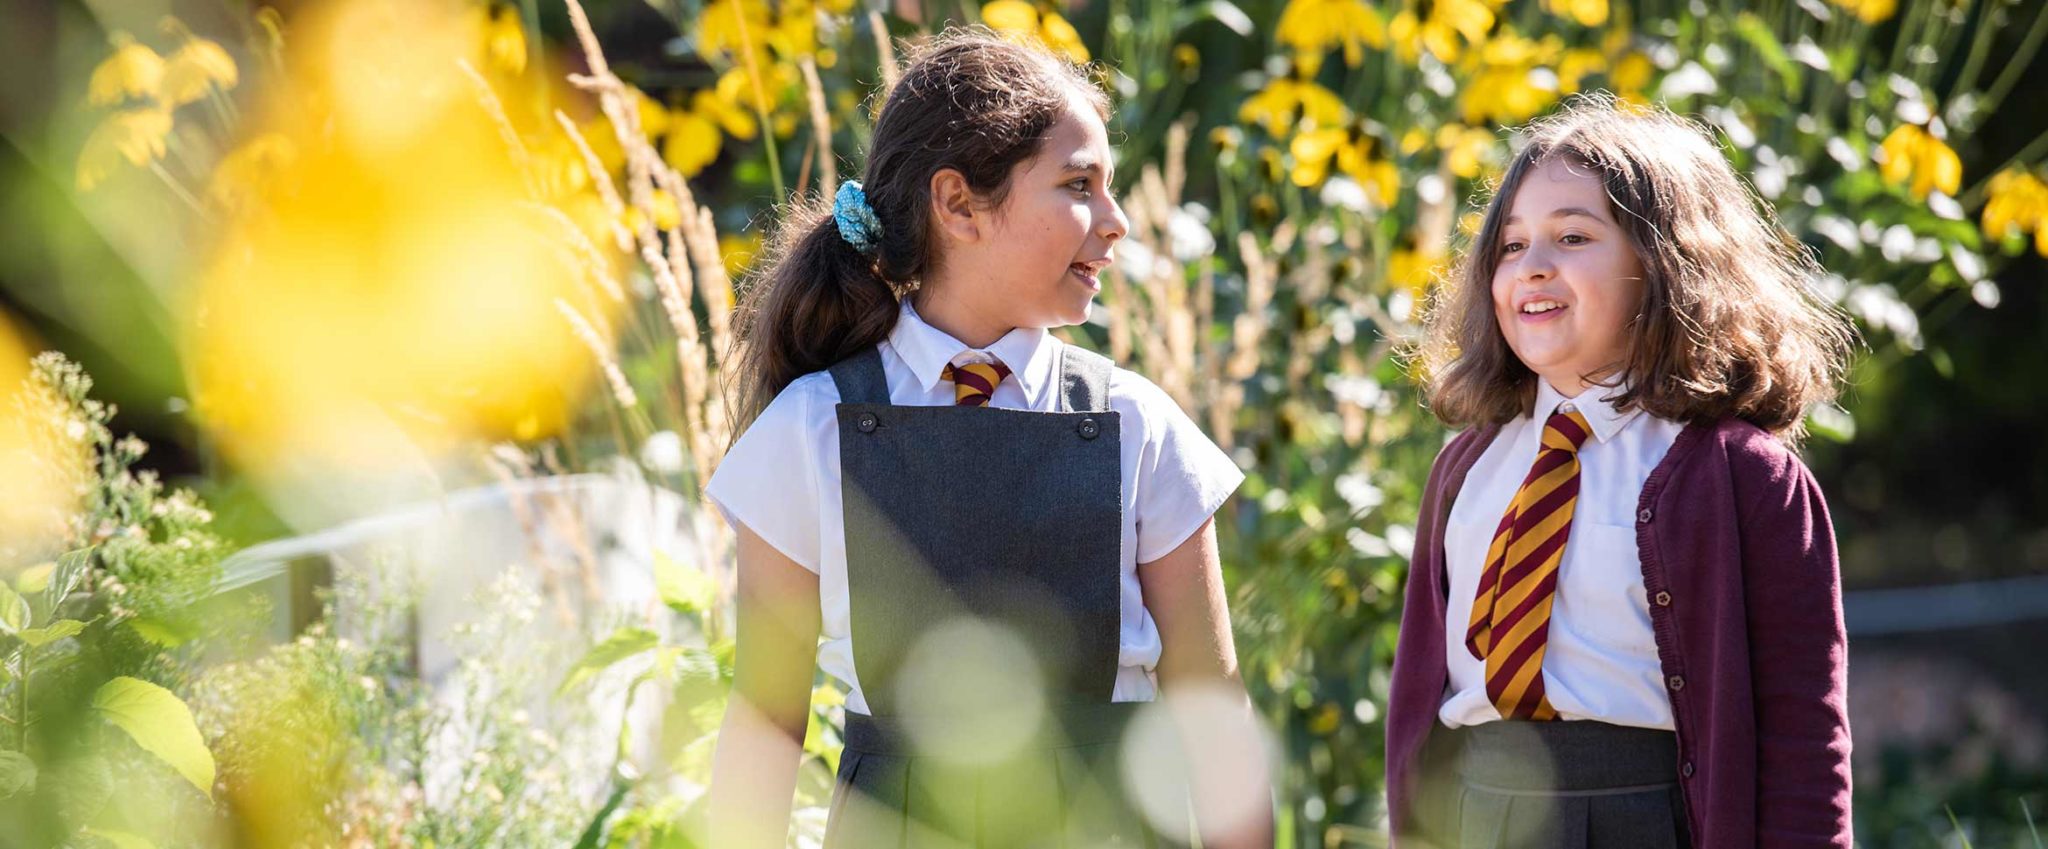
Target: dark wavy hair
1730	324
969	101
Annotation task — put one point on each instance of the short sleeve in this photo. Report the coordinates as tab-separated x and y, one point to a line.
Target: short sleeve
1183	477
768	481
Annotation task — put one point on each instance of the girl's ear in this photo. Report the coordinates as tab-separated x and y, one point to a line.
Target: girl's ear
955	209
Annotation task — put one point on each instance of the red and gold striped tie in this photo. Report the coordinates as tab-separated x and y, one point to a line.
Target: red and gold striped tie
1511	614
973	383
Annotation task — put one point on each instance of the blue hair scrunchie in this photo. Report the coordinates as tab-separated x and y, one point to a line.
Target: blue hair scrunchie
856	219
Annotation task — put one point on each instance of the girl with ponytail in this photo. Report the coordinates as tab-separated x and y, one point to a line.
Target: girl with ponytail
999	545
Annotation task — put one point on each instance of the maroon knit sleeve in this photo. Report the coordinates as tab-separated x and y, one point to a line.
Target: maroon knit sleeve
1799	658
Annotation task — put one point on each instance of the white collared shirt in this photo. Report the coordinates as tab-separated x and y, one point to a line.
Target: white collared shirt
1601	659
782	479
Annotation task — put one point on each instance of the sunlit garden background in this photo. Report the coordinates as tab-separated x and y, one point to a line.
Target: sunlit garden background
357	502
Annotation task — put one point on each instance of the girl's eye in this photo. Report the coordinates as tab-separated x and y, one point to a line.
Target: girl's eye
1080	185
1510	247
1574	239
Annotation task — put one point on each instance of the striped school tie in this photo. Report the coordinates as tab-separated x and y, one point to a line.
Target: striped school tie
973	383
1511	615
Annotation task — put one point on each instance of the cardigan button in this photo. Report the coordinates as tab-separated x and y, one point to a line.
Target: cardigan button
1645	515
1677	682
1663	599
1089	429
866	423
1686	770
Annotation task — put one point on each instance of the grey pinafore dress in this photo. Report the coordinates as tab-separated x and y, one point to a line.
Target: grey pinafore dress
1011	518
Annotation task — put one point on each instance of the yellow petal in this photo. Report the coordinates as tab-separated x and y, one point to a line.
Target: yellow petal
505	41
1012	16
196	67
654	117
692	143
1062	37
134	71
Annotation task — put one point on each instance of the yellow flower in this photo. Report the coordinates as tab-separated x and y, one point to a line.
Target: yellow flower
1286	102
725	105
504	38
735	28
654	117
134	71
197	66
1313	27
1912	154
136	135
1631	75
1022	20
1413	140
1313	151
245	174
739	252
1870	11
1416	270
1576	65
1448	21
1503	89
692	143
1465	149
2018	203
1589	13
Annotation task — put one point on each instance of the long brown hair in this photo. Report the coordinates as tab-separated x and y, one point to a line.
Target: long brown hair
970	102
1730	323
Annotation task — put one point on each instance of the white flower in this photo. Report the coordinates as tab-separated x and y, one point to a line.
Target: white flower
1357	490
663	452
1187	233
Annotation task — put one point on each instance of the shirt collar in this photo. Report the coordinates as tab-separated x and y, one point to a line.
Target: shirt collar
928	350
1592	403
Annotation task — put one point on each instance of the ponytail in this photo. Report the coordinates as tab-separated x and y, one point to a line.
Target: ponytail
820	302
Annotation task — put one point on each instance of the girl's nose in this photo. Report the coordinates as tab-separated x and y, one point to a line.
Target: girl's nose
1114	225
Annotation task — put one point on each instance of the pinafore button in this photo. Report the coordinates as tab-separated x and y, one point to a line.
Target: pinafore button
866	423
1089	429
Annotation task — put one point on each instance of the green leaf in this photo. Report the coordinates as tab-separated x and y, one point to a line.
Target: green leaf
684	590
165	634
17	774
35	579
161	724
14	612
622	644
40	637
121	839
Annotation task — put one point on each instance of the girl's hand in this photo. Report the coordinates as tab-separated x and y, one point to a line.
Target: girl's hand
760	743
1198	669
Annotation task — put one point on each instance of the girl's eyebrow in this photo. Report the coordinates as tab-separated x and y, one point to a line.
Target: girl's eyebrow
1084	164
1563	213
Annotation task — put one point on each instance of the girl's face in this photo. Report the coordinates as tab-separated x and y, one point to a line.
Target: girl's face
1054	234
1568	283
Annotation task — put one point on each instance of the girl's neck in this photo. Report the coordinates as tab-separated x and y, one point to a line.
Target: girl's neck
965	321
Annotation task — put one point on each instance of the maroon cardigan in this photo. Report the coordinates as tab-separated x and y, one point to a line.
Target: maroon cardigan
1739	562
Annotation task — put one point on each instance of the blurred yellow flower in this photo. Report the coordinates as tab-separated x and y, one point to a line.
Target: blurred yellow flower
1870	11
739	251
136	135
1913	155
197	66
1022	20
1313	27
1576	66
2018	203
44	462
1286	102
1631	75
251	170
504	38
1504	88
1416	270
735	28
692	143
1441	31
1353	151
1589	13
134	71
653	116
1465	148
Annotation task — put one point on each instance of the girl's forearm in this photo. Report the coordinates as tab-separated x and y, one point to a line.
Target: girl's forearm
1229	777
753	778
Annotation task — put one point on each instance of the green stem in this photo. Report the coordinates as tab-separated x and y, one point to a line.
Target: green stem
2017	68
21	691
1980	45
760	103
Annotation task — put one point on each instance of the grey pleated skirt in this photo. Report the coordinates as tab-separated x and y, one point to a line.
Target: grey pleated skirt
1066	793
1565	785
